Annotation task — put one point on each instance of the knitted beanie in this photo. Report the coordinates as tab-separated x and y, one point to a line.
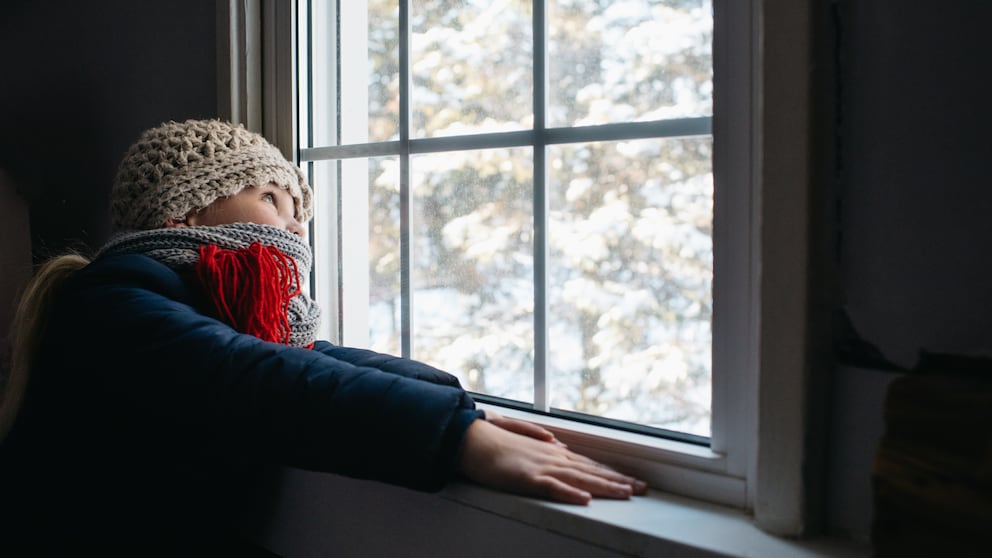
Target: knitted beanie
179	167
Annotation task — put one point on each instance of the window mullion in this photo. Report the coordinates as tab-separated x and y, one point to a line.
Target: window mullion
406	196
541	394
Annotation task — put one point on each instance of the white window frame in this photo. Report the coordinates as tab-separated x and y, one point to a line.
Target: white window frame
762	54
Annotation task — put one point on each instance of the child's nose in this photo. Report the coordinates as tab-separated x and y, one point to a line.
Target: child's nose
296	228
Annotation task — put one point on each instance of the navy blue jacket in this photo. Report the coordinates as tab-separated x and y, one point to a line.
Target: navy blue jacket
147	417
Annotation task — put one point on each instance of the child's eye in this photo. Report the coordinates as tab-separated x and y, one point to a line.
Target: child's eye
268	197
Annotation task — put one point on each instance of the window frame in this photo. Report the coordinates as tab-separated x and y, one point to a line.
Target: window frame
755	461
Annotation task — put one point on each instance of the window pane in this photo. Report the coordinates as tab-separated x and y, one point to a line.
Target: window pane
355	96
385	326
472	70
368	243
629	60
324	240
383	70
473	293
630	275
322	74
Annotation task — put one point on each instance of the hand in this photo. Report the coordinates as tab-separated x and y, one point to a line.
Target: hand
521	464
522	427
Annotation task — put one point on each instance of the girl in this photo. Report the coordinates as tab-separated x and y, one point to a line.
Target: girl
182	360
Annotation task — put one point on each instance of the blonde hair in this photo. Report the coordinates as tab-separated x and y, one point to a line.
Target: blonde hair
30	320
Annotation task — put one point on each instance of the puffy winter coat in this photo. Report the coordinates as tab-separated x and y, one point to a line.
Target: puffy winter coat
146	418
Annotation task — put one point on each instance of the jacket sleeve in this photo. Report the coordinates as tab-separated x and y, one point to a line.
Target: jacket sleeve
387	363
155	356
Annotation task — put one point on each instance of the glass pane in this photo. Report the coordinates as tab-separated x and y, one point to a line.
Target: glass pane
364	243
322	75
324	240
472	70
629	60
385	326
383	70
630	275
473	299
365	108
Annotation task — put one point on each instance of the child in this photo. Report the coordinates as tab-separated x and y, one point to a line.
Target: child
186	351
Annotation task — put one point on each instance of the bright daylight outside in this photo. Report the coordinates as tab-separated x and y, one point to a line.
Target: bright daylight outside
629	223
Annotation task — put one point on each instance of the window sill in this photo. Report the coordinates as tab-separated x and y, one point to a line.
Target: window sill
313	513
659	524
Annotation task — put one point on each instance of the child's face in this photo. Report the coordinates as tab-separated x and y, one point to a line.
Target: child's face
263	205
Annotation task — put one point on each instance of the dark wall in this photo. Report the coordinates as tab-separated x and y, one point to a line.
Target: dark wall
912	211
915	194
78	82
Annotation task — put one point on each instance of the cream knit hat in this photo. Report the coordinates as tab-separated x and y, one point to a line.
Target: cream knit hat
180	167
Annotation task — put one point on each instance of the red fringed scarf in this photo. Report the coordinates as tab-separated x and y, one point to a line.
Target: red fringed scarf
251	288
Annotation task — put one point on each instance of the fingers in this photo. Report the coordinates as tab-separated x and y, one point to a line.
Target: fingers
608	473
571	486
638	487
559	491
588	475
503	459
593	483
585	476
532	430
521	427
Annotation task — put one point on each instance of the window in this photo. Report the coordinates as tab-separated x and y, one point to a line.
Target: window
384	256
525	196
521	193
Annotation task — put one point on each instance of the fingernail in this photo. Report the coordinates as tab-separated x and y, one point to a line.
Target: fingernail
640	486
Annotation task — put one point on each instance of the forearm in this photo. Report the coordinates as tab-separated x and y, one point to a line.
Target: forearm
387	363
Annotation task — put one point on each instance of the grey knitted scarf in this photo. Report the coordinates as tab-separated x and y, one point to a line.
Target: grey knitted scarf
179	248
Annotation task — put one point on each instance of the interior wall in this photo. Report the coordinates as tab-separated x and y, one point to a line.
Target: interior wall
915	195
913	204
15	260
80	81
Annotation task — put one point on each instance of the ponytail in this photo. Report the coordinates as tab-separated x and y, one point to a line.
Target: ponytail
30	319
